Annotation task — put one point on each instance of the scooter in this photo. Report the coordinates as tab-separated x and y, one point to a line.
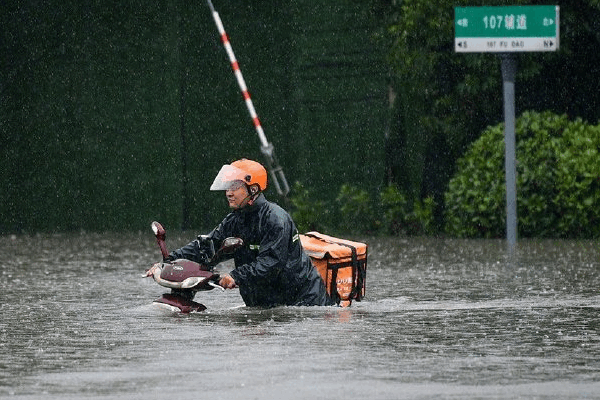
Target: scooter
186	277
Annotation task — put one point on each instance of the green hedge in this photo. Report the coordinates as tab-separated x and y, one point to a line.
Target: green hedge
558	181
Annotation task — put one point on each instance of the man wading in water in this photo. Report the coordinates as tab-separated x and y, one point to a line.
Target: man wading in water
271	268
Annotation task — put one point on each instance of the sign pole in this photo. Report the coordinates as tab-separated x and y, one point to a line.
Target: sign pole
507	30
509	69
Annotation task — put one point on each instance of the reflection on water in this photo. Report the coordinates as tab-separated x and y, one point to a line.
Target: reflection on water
449	319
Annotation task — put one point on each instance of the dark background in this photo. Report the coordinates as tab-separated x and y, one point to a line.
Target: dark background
115	113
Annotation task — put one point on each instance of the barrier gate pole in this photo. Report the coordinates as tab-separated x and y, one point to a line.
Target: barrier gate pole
267	149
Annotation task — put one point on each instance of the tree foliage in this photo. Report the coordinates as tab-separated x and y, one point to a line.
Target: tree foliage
558	181
443	100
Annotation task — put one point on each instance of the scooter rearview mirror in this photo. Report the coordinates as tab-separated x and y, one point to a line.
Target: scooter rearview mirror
158	230
230	245
160	234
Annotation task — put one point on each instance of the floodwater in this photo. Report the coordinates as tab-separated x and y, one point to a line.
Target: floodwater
442	319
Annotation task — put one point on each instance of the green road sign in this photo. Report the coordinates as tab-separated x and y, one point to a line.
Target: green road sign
506	29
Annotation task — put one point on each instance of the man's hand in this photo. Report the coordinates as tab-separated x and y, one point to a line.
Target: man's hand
153	268
227	282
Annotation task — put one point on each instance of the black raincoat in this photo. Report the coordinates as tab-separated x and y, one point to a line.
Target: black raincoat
271	268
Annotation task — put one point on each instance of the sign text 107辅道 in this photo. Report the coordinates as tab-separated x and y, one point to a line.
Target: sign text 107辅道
506	29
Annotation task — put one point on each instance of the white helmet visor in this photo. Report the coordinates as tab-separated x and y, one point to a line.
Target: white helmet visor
229	177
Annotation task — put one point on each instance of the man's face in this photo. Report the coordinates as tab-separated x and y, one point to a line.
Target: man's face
237	195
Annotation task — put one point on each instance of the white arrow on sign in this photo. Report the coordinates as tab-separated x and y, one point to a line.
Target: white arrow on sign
463	22
548	21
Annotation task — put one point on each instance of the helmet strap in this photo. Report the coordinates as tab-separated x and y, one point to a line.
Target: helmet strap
253	191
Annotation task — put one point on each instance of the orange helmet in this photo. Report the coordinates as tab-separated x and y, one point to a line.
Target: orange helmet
248	171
